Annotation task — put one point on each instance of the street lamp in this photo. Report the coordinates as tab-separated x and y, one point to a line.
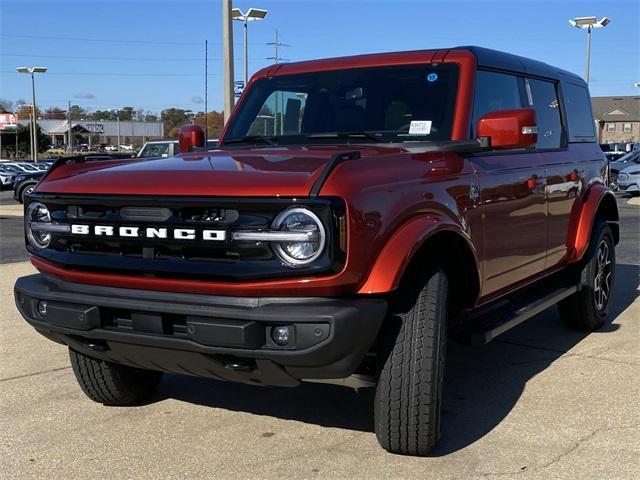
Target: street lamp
34	142
251	15
589	23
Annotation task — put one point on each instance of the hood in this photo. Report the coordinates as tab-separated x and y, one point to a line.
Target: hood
630	167
284	171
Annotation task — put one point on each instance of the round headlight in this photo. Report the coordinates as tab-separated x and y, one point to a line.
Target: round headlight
37	213
299	220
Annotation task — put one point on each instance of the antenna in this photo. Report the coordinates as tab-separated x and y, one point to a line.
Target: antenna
277	45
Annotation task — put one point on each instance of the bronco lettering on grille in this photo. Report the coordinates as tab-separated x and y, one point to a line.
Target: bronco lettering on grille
149	232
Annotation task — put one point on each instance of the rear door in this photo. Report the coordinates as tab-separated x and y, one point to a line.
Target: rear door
560	165
512	194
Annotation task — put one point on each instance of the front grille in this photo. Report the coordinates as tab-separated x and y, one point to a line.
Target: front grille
226	260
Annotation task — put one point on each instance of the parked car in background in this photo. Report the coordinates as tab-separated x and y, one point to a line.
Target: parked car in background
616	166
7	179
613	151
111	148
628	178
167	148
159	149
19	167
24	184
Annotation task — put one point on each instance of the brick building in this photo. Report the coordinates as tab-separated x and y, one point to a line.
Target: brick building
617	119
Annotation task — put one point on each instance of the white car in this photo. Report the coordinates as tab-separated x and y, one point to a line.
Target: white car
20	167
629	178
7	179
111	148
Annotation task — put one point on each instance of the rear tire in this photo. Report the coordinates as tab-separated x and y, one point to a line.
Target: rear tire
408	396
110	383
588	309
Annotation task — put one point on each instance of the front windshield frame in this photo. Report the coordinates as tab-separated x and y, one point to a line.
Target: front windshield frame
374	101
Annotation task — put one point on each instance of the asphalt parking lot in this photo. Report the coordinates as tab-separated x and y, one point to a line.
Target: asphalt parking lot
540	402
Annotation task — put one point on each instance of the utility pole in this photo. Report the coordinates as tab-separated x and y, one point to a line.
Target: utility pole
69	133
206	91
277	58
118	128
227	46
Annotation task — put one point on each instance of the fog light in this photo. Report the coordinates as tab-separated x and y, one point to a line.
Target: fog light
280	335
42	308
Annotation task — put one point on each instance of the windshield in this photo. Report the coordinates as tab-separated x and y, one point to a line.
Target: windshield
10	168
156	150
631	156
384	104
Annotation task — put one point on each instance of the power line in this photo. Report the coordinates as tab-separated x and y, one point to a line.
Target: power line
74	57
103	40
112	74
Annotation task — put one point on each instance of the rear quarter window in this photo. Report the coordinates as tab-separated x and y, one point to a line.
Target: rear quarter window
579	116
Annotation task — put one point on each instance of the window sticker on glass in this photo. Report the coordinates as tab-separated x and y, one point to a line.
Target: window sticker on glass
420	127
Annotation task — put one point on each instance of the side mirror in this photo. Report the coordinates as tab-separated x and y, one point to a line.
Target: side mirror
190	137
507	129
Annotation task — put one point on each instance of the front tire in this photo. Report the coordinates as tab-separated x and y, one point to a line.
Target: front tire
110	383
408	396
26	191
588	309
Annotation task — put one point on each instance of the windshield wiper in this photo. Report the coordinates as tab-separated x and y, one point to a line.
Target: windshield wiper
358	134
252	139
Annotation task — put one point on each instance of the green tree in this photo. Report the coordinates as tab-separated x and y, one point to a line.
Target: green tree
127	113
6	106
173	119
55	113
215	123
104	115
24	141
76	112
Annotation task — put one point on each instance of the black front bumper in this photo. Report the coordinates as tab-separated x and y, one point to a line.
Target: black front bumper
219	337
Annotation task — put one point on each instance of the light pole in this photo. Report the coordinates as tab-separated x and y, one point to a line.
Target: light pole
589	23
251	15
31	71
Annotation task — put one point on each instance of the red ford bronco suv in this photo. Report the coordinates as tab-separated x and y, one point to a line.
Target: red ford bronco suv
355	211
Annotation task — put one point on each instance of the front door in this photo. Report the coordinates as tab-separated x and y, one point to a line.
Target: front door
512	200
513	209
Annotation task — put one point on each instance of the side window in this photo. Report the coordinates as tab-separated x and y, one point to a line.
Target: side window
494	91
542	97
578	107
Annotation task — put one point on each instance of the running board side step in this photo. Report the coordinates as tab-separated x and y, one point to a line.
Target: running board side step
487	325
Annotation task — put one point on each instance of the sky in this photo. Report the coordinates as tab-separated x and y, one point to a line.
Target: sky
149	54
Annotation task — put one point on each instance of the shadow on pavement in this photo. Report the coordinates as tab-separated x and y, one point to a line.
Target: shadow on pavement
481	387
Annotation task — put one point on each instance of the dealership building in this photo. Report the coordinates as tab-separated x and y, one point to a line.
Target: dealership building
95	132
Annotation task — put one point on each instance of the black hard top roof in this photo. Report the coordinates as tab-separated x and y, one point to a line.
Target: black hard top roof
515	63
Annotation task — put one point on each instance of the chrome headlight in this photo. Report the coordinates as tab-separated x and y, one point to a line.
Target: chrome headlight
310	230
37	214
